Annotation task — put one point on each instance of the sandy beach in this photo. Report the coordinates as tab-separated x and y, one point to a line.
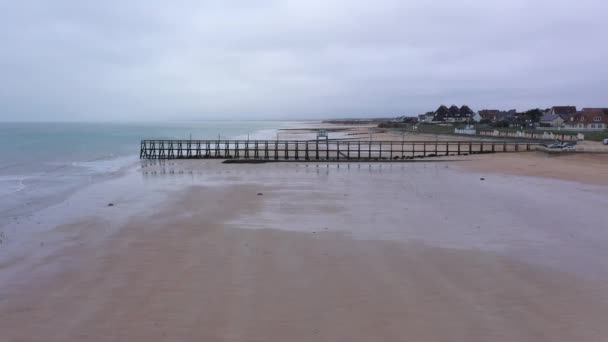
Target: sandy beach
424	251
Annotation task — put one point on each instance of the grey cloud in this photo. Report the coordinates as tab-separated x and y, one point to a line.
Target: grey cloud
92	60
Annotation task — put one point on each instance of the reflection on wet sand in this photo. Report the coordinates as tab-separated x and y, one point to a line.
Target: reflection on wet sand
426	251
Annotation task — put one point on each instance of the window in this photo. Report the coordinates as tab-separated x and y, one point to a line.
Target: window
597	118
592	126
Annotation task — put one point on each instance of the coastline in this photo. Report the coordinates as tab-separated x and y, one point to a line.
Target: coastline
53	182
196	249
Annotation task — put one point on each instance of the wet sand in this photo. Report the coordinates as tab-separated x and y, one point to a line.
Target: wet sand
188	276
359	252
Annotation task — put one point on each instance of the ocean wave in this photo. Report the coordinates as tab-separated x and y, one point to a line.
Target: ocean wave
108	164
11	184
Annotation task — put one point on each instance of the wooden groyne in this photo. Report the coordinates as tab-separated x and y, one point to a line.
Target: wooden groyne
322	150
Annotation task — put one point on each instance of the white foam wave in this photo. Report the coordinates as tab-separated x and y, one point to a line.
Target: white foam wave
106	165
11	184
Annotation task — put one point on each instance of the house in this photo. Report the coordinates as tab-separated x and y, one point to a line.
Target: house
494	115
605	110
408	119
595	119
508	116
489	114
551	120
426	118
567	111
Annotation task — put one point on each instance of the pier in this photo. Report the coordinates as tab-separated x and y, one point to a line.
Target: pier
322	150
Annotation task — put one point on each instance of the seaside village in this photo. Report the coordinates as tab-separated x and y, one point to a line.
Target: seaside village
558	122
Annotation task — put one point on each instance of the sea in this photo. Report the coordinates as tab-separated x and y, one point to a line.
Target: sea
41	163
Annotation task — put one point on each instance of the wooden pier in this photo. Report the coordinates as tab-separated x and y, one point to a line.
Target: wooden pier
322	150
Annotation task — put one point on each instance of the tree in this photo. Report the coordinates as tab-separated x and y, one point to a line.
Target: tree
532	115
501	124
466	112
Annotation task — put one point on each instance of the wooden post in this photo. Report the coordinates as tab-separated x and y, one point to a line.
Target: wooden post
447	148
276	149
459	148
424	149
359	151
297	145
348	152
317	149
306	155
337	150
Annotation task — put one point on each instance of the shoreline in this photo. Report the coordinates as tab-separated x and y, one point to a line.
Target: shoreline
89	172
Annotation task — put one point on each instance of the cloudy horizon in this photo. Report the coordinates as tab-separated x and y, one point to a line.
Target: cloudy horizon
189	60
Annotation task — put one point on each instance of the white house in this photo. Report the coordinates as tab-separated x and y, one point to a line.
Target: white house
552	120
589	120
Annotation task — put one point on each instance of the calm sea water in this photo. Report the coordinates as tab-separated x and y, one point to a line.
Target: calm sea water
42	160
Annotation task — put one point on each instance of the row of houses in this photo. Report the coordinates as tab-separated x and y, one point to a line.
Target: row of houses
493	115
590	119
445	114
558	117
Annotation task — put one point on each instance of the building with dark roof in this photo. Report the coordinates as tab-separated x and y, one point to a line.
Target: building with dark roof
593	119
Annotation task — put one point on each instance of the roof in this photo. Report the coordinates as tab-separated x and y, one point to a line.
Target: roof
564	110
549	117
596	110
588	116
489	114
505	116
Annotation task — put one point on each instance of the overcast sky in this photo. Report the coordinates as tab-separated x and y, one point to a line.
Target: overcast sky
129	60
